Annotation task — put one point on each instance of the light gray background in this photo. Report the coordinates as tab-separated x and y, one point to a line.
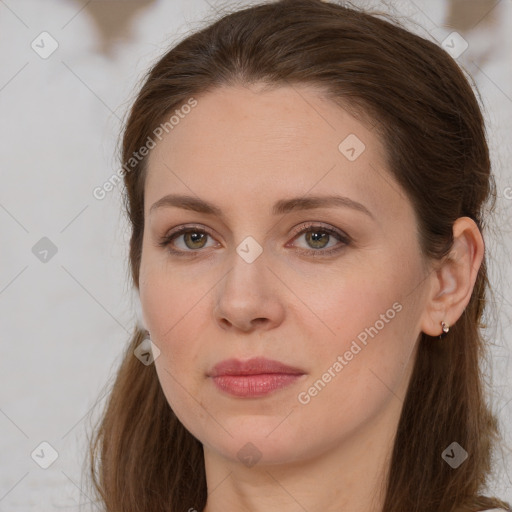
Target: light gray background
65	322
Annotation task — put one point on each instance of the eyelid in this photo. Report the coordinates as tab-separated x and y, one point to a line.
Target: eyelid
304	226
186	227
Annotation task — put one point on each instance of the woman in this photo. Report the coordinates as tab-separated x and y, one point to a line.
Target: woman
307	187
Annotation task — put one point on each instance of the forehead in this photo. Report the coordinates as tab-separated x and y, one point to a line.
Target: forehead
248	143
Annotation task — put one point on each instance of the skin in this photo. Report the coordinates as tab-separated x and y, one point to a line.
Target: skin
243	149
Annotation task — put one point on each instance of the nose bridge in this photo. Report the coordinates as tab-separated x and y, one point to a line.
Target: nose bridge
245	281
246	293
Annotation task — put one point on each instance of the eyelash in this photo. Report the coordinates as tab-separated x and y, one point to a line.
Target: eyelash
165	242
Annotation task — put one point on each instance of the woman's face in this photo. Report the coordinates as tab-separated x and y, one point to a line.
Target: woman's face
300	248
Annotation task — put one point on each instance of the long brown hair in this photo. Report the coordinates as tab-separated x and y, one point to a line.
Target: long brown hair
141	457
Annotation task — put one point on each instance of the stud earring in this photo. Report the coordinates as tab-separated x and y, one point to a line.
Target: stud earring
445	327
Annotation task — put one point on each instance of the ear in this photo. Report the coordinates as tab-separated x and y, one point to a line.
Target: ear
137	307
453	279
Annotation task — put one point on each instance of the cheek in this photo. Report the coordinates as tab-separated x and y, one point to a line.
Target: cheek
169	298
374	329
355	381
182	393
181	365
358	303
167	321
172	322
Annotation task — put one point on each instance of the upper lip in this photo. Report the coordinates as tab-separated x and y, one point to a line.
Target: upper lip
254	366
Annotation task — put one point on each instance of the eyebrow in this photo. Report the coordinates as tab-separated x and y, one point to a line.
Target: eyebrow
281	207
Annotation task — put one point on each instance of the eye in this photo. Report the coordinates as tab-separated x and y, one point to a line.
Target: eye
193	240
318	237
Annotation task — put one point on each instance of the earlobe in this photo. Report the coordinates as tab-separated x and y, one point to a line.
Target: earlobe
454	278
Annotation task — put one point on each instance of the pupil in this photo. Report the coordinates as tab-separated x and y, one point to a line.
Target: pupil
317	236
195	237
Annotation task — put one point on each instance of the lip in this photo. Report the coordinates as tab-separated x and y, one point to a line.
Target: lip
255	377
254	366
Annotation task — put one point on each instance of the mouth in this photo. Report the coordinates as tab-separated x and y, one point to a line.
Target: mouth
253	378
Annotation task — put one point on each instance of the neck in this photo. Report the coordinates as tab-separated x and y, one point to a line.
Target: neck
350	476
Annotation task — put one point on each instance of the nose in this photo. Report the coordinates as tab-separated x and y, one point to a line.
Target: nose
249	297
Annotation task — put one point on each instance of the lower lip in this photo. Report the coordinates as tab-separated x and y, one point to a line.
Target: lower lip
254	385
